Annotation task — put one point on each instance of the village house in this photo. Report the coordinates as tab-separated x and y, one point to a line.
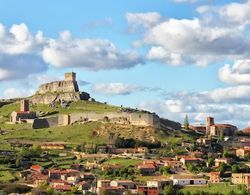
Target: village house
159	184
190	160
111	190
115	167
36	168
182	180
87	176
147	190
243	152
41	180
204	141
103	183
174	165
219	161
64	174
63	188
214	177
147	168
58	182
127	184
240	178
83	185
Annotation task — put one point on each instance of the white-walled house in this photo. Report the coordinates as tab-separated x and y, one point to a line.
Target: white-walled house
188	180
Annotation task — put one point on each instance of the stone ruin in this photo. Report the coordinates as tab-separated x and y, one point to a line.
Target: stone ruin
58	91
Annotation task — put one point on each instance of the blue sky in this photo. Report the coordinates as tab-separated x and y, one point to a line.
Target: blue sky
172	57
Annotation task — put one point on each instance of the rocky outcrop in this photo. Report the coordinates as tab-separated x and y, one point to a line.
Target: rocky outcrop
49	98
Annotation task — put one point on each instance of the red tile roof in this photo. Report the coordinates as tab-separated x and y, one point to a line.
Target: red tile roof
36	167
63	187
146	166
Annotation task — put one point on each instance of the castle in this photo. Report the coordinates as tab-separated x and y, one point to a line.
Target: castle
58	91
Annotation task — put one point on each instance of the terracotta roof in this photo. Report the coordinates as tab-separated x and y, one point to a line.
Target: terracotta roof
223	125
146	166
67	171
58	181
36	167
63	187
191	159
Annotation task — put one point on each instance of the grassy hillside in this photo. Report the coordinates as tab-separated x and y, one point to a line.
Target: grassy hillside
80	106
92	132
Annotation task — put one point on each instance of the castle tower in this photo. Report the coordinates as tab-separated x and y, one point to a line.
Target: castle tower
70	76
24	106
209	123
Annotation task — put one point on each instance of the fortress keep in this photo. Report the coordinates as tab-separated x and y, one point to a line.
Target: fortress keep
57	91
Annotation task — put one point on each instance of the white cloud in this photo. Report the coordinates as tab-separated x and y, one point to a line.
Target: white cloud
116	88
217	33
143	19
227	105
236	12
92	54
16	93
19	40
23	53
185	41
239	73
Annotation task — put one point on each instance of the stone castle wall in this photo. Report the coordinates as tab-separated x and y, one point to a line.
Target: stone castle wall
138	119
58	86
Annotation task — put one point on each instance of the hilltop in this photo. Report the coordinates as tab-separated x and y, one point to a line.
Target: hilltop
60	113
91	132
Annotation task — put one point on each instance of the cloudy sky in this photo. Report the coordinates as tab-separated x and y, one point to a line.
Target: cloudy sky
172	57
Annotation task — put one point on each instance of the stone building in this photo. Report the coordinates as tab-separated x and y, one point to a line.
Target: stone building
213	129
24	115
241	178
243	152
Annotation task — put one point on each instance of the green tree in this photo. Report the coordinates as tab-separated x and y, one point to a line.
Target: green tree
223	168
186	122
169	190
235	168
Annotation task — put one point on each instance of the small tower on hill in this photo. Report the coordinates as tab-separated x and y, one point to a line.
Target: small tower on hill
70	76
24	106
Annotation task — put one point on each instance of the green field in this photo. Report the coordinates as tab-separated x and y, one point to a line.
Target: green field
223	188
6	176
123	161
74	134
